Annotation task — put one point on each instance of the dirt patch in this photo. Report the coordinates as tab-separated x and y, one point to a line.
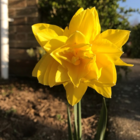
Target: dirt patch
32	111
124	107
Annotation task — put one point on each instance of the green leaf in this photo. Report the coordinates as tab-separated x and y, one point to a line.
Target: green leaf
102	122
69	124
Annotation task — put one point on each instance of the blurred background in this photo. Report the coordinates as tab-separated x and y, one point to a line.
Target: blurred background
24	51
31	111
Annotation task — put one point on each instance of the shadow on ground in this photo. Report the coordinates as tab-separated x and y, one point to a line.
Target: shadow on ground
124	107
31	111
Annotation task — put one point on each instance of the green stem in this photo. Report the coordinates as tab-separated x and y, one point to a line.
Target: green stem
79	120
102	122
69	124
75	123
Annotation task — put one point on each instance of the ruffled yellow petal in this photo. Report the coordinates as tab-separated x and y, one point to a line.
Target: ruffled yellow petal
46	71
78	11
104	91
117	37
114	56
74	94
121	63
75	42
97	27
55	43
76	22
93	72
108	72
50	73
100	45
66	31
80	55
87	25
44	32
34	72
84	22
61	75
76	72
44	66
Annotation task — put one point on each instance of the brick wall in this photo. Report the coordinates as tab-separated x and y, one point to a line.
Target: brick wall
25	13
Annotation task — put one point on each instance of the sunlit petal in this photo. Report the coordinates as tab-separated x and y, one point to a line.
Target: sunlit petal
77	38
78	11
100	45
44	66
76	22
104	91
108	74
74	94
80	55
44	32
55	43
61	75
50	73
117	37
93	72
97	27
119	62
34	72
66	31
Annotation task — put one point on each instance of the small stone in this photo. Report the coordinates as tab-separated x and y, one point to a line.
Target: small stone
31	89
137	116
41	114
52	115
35	120
2	91
127	101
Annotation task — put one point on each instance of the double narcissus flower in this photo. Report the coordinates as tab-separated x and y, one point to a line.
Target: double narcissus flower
80	56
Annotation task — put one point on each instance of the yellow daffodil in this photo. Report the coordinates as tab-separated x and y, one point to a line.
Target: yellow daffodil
80	56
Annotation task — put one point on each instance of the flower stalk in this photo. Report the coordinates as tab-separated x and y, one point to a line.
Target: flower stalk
101	129
77	123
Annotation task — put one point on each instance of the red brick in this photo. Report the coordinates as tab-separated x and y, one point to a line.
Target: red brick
20	67
23	28
12	36
30	36
21	37
17	4
12	29
32	20
18	54
18	21
12	13
32	3
28	12
23	44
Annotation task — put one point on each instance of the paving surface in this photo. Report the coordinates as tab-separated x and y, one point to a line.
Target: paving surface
124	107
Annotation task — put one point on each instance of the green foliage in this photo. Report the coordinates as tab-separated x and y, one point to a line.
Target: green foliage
134	44
39	52
111	16
60	12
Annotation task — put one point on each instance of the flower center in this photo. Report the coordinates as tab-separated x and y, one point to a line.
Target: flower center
75	60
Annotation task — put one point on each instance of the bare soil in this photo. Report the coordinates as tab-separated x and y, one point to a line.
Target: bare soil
31	111
124	107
